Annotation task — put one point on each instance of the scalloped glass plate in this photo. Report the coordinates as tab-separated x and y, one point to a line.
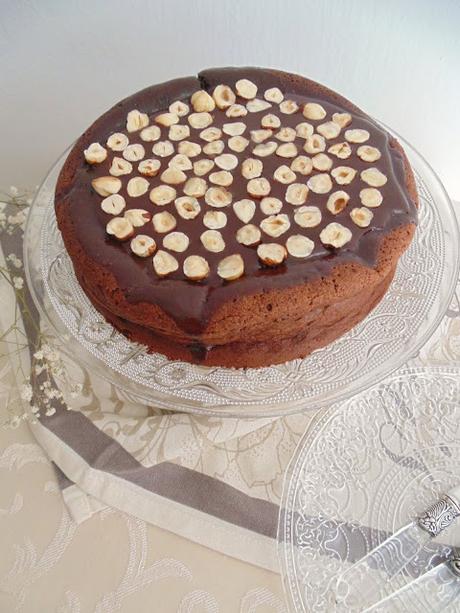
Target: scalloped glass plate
394	331
353	481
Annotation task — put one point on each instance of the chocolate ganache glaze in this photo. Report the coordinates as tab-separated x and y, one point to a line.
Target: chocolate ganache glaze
191	304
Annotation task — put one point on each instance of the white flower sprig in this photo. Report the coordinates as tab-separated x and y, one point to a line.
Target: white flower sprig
40	391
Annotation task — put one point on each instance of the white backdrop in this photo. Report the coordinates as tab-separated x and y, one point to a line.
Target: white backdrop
63	62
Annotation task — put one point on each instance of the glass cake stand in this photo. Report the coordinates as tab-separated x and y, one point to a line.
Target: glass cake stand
354	481
392	333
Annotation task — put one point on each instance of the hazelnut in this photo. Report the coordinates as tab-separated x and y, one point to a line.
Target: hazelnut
287	150
368	154
196	268
373	177
163	148
210	134
133	153
320	183
270	121
258	187
187	207
95	154
202	102
236	110
167	119
214	220
340	150
341	119
178	132
149	168
288	107
143	245
265	149
304	129
176	241
162	194
314	111
257	105
200	120
222	177
164	263
271	254
248	235
296	194
251	168
231	267
179	108
335	235
105	186
337	201
195	187
362	217
117	141
173	176
235	128
329	129
212	241
120	167
283	174
274	94
137	186
214	148
202	167
120	227
308	216
163	222
138	217
188	148
370	197
246	89
299	246
150	134
223	96
314	144
259	136
113	205
275	225
237	143
343	175
357	136
286	135
226	161
270	206
136	120
302	164
181	162
218	197
244	209
321	161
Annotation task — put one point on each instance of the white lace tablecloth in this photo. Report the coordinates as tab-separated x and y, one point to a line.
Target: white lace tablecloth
116	562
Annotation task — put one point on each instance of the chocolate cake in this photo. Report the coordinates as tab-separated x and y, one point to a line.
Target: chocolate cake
242	217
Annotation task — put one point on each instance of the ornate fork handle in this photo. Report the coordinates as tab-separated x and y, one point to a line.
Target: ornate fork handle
439	515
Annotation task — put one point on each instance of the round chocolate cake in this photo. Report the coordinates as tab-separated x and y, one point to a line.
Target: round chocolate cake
241	218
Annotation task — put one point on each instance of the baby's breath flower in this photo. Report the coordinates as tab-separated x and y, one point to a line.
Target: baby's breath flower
38	355
26	392
13	190
50	411
17	263
18	282
15	421
35	409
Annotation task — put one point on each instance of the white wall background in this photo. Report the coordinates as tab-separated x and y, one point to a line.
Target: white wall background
63	62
